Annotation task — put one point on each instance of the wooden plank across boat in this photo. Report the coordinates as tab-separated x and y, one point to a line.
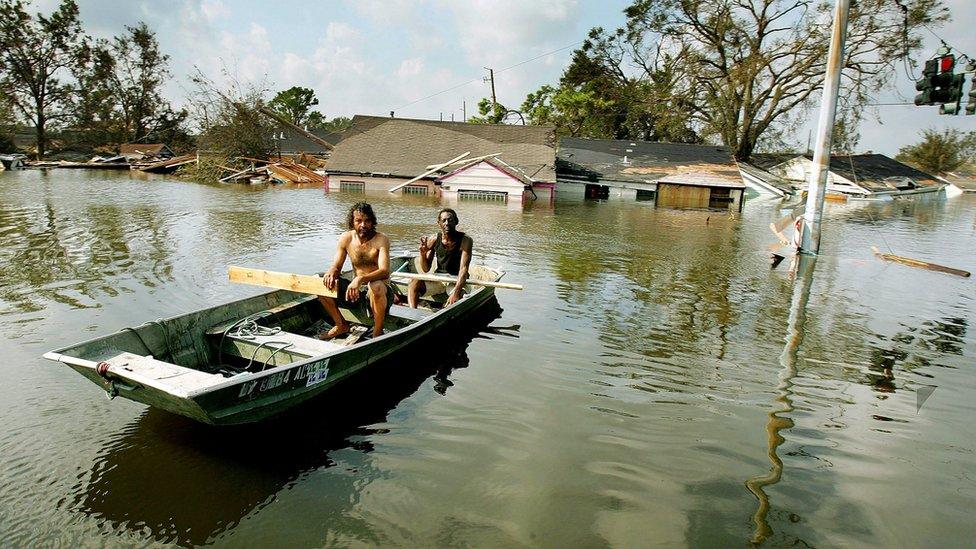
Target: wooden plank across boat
252	358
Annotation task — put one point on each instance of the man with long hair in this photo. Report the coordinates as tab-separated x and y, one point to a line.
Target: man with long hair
369	252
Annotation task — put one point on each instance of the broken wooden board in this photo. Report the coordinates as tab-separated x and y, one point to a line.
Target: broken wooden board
309	284
918	263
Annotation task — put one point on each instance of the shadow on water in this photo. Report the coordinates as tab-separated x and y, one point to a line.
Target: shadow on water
184	482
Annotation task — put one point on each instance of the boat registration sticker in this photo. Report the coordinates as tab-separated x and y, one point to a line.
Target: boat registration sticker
317	373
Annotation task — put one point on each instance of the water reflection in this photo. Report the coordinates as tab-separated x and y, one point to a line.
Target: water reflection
75	257
779	419
187	483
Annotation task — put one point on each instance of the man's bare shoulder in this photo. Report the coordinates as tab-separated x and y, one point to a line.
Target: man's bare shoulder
467	242
382	241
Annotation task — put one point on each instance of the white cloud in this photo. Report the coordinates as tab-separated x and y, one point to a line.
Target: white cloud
410	67
214	9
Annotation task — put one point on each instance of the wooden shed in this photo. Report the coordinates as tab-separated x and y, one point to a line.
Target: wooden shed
704	191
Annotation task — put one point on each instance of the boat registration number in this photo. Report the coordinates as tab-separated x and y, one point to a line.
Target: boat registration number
317	373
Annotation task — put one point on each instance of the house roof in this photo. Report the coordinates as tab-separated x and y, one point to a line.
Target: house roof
291	142
644	161
876	169
510	171
871	171
142	148
405	147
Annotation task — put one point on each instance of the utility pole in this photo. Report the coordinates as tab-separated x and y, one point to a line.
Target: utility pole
491	77
464	110
810	232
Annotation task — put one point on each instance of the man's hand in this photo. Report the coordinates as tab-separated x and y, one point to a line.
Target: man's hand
352	292
452	299
424	248
330	279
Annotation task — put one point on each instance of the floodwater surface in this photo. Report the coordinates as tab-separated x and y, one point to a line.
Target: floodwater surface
656	383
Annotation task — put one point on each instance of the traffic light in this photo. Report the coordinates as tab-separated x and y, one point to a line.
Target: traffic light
971	104
953	94
927	84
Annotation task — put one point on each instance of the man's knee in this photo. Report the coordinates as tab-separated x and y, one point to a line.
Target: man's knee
377	291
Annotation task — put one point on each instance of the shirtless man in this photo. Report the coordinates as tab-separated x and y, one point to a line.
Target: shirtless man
369	252
452	249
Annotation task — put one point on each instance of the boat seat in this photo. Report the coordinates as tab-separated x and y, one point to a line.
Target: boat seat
408	313
159	373
279	348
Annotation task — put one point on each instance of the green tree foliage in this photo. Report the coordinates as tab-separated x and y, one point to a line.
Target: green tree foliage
337	124
733	69
296	104
7	126
489	112
940	152
120	90
598	97
36	53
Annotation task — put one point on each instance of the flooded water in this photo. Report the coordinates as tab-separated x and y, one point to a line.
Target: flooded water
655	384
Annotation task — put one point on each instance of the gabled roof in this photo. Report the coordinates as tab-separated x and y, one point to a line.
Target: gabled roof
765	161
510	171
405	147
643	161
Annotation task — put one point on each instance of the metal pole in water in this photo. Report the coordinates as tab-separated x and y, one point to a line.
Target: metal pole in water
810	235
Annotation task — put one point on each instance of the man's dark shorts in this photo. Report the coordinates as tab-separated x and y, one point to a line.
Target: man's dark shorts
343	285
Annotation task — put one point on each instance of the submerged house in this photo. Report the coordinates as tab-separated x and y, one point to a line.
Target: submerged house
857	175
675	175
504	162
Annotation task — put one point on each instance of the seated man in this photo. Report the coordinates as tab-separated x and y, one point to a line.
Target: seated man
369	252
451	250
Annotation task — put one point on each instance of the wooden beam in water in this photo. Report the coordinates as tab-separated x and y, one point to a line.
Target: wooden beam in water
918	263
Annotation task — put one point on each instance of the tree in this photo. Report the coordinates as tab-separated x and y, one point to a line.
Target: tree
337	124
136	83
735	68
597	98
7	125
940	152
120	89
36	54
295	104
230	124
489	112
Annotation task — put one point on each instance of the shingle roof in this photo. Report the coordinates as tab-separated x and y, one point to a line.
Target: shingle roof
405	147
764	161
874	172
865	168
295	142
643	161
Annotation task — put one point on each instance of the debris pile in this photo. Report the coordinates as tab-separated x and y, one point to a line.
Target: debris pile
281	171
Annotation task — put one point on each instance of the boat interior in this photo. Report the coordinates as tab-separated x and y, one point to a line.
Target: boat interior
205	347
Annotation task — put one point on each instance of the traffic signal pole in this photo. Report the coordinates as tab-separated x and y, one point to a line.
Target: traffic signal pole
810	232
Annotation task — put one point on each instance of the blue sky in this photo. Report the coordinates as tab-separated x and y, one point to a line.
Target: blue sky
374	56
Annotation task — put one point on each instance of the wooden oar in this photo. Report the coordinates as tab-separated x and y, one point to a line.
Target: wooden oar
453	280
311	284
917	263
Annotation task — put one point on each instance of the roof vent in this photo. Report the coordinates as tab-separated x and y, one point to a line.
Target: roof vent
625	161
